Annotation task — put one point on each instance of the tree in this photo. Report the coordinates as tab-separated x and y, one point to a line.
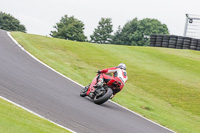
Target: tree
69	28
148	27
117	37
136	32
103	32
9	23
124	36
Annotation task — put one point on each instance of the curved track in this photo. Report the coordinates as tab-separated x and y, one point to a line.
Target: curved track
38	88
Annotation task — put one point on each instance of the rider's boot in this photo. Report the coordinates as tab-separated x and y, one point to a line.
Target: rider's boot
86	88
99	84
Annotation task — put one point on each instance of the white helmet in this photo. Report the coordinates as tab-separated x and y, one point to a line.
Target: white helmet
122	66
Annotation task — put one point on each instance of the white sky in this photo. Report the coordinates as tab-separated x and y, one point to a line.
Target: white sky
39	16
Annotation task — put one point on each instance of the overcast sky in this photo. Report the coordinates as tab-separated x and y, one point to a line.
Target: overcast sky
39	16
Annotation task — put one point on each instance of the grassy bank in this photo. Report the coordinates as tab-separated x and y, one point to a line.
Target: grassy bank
16	120
163	84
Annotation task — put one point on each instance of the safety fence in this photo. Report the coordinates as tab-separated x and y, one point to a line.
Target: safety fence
172	41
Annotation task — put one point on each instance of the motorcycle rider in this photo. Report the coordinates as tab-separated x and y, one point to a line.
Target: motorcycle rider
117	81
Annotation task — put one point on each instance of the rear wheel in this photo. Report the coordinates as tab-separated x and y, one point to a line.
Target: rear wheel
103	97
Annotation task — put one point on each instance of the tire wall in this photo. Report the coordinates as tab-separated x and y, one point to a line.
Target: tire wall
172	41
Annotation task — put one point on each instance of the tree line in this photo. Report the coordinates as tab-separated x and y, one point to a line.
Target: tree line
135	32
9	23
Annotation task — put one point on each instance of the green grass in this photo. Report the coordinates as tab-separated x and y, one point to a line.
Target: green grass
163	84
16	120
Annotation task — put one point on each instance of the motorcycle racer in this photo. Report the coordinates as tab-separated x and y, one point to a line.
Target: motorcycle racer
117	81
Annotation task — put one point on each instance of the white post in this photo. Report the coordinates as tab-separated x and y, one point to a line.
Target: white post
186	25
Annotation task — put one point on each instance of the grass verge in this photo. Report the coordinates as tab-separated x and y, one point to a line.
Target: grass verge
163	84
13	119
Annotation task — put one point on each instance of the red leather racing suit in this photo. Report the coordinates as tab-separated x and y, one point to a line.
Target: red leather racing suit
118	80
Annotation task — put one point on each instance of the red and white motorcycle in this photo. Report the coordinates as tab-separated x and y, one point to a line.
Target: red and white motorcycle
99	95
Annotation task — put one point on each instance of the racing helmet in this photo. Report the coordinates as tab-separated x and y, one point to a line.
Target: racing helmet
122	66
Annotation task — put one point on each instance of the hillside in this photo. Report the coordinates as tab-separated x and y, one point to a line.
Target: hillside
163	83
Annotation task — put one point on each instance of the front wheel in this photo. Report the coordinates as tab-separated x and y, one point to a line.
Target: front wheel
83	92
103	98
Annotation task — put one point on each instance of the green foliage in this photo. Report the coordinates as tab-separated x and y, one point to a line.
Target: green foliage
116	39
125	35
9	23
137	32
103	32
69	28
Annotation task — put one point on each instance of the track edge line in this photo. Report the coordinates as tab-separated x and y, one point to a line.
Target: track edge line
32	112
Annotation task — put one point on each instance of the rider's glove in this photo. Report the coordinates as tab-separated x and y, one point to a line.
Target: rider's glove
99	71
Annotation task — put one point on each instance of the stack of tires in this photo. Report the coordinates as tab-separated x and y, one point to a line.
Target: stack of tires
165	42
152	40
194	43
186	43
179	43
198	45
159	39
172	41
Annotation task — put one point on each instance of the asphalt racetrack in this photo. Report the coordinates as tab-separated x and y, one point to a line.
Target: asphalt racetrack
36	87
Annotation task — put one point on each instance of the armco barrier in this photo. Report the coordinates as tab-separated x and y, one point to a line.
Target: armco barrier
172	41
